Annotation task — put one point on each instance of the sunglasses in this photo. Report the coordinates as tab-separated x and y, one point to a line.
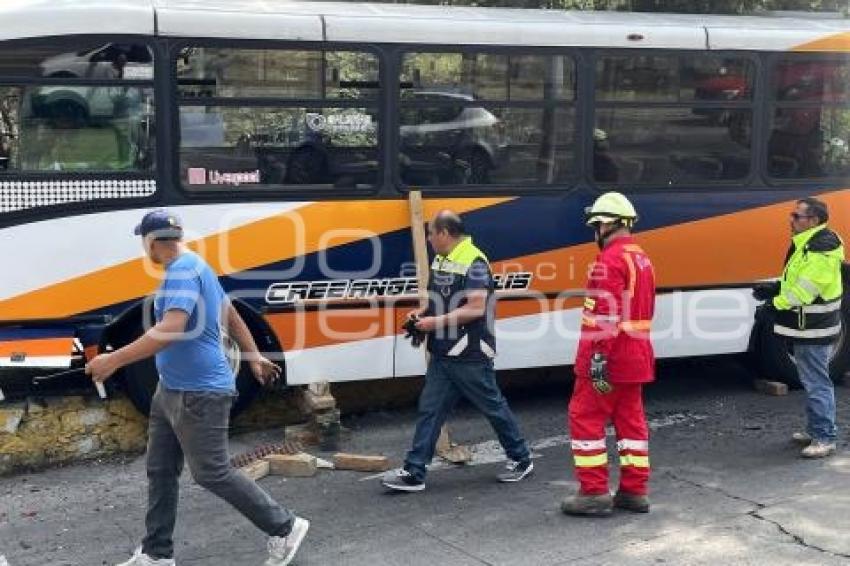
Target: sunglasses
797	216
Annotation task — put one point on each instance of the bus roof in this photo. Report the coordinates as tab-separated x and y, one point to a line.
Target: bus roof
359	22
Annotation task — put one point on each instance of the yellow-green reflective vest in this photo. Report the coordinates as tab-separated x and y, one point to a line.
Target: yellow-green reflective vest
809	300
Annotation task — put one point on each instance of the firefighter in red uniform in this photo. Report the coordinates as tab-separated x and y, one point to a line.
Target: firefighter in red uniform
613	361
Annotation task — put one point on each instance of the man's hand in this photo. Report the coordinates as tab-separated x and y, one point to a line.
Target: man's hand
102	367
427	324
265	371
599	374
765	291
415	314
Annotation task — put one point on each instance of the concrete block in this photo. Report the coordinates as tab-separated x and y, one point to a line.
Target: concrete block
361	463
770	387
296	465
257	470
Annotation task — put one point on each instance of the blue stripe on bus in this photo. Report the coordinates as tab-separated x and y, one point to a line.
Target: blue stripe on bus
516	228
15	334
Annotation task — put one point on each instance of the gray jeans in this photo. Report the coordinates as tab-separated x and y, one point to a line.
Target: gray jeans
194	425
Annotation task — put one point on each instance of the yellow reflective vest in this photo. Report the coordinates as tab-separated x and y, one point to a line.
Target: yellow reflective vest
809	301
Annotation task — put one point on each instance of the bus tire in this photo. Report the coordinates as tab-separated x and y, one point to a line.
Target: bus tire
774	358
139	380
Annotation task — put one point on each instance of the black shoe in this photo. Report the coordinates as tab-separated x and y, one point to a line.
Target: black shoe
517	471
631	502
402	480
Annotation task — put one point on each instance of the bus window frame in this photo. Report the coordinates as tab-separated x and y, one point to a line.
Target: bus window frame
273	192
575	104
771	103
755	105
155	84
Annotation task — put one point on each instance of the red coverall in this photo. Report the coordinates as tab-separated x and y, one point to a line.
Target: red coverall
618	310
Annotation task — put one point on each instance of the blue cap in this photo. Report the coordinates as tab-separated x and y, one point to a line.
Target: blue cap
164	223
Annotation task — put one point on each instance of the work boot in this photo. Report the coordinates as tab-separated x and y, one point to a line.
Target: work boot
631	502
818	449
801	438
600	505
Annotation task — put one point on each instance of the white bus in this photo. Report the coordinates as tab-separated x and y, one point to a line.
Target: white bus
288	134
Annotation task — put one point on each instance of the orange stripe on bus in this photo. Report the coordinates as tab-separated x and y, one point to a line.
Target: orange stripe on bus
38	347
724	256
321	225
839	42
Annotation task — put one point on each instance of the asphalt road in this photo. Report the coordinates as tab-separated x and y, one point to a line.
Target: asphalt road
728	488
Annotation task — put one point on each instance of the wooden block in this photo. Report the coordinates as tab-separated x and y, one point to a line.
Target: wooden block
770	387
361	463
256	470
449	451
295	466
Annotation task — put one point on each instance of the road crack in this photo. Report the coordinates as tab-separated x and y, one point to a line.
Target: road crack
755	513
797	539
455	547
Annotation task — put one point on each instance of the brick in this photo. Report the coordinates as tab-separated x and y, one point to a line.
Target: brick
318	403
361	463
296	465
320	388
304	435
256	470
771	387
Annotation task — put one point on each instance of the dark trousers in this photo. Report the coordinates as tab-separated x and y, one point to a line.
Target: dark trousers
194	425
446	381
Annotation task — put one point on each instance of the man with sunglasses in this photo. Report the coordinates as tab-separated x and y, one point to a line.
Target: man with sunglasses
807	304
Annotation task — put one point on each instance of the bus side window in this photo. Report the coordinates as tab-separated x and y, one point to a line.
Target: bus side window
810	125
673	119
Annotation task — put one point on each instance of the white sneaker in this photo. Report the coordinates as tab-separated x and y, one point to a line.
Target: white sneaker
818	449
282	549
139	558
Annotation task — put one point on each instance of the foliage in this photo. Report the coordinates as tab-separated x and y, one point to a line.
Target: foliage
681	6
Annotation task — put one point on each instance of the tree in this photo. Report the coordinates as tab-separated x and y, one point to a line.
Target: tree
681	6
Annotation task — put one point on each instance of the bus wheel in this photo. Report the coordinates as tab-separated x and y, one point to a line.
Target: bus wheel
139	380
774	356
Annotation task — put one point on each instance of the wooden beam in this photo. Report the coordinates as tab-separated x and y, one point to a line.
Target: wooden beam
446	449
